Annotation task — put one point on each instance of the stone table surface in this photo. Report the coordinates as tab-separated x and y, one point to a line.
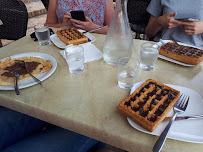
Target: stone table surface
87	103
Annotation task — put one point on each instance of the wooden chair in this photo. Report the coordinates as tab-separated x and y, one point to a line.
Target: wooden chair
14	15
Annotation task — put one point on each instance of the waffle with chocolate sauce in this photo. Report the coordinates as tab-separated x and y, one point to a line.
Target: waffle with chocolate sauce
185	54
72	36
149	104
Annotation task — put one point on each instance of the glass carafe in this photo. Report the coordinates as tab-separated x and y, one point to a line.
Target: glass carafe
119	41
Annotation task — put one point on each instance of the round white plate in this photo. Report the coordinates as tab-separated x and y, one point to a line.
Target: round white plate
171	60
31	81
184	130
60	44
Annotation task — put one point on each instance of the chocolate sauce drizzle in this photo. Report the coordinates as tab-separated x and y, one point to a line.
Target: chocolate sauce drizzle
11	70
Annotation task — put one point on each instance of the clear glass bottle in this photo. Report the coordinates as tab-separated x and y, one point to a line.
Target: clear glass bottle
119	41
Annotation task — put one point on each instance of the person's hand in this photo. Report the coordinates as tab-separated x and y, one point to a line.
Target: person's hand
167	21
192	28
86	25
66	19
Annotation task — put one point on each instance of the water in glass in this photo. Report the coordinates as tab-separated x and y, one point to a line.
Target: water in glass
43	35
75	58
75	63
148	57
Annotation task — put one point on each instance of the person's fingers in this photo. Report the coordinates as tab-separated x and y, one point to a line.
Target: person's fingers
88	19
172	14
78	26
77	21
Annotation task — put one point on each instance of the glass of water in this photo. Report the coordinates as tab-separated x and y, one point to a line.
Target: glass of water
148	55
75	58
42	33
127	72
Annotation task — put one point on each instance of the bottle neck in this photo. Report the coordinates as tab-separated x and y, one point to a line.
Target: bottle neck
121	6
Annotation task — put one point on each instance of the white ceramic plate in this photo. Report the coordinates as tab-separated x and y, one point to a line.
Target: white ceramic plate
171	60
184	130
60	44
31	81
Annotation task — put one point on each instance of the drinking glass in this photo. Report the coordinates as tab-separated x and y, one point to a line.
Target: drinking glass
127	72
43	34
75	58
148	55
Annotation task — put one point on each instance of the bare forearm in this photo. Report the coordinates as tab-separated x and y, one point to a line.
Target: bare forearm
152	28
56	25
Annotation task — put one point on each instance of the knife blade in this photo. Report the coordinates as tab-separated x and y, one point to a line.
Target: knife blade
185	117
95	29
173	38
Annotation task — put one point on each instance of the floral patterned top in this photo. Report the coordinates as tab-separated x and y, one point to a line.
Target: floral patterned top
94	9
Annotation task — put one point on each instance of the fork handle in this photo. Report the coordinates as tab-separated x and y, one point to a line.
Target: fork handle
160	142
16	86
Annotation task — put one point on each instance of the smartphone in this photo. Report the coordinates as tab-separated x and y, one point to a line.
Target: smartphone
78	15
187	20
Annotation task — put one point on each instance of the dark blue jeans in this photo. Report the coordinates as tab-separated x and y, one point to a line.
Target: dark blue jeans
22	133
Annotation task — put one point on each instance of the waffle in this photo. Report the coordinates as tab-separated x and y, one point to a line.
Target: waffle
149	104
182	53
72	36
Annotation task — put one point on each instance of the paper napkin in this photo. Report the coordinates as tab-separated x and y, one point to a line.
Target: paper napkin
91	53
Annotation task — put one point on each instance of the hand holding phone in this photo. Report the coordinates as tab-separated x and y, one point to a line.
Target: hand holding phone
78	15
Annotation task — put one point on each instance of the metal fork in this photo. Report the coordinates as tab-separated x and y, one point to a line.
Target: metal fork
25	65
179	108
17	74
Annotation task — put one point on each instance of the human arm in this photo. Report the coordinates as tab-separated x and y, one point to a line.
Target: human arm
192	28
52	20
165	21
89	25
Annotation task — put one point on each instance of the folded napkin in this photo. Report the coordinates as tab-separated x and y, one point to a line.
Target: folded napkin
91	53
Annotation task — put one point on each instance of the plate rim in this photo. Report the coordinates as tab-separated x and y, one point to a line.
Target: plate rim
32	54
151	133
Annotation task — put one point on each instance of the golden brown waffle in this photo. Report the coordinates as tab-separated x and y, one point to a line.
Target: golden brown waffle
182	53
72	36
149	104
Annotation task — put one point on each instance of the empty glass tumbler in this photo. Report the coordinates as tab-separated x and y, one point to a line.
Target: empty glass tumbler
127	72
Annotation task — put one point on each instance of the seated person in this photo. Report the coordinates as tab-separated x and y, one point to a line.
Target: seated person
163	20
22	133
97	14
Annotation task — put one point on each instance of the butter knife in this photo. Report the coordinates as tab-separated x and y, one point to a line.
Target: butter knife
94	29
25	66
171	37
185	117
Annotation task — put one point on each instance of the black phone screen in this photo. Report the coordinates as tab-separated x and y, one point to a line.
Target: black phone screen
78	15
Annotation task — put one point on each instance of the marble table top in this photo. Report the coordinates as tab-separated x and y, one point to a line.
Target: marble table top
87	103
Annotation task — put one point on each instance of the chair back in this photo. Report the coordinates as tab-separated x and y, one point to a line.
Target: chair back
138	16
45	3
14	15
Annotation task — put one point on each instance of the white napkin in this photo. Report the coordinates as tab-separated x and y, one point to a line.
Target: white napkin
91	53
